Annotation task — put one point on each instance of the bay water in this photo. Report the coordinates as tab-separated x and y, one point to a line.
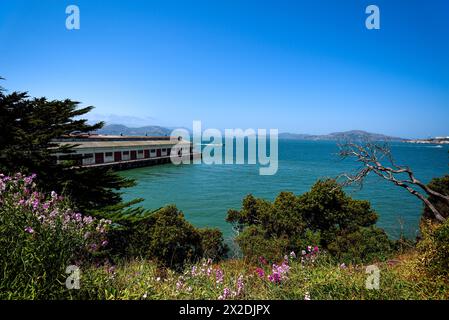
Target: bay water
206	192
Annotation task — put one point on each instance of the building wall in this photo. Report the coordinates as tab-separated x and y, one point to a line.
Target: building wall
112	155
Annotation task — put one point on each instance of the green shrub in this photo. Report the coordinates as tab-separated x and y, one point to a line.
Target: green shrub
255	244
434	247
40	236
440	185
362	246
212	244
174	241
167	237
324	216
327	209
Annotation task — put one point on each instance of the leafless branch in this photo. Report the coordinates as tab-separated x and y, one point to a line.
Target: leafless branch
377	158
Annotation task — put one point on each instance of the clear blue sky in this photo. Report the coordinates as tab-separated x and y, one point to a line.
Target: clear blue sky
300	66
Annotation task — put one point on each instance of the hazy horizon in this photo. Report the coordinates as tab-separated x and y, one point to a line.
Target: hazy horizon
131	126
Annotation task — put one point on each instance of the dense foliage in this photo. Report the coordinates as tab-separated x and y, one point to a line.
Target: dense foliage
28	127
440	185
324	216
434	247
40	236
168	238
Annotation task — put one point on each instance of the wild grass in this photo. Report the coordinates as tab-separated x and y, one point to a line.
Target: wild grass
321	280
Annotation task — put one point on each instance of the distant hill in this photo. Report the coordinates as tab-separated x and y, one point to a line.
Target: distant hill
335	136
118	129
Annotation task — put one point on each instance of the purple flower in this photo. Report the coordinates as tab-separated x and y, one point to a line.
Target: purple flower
88	220
225	295
219	275
279	273
260	272
29	230
263	261
240	285
180	283
104	243
275	278
209	271
35	203
29	180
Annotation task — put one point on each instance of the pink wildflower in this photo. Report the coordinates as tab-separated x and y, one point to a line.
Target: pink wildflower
219	275
225	295
260	272
29	230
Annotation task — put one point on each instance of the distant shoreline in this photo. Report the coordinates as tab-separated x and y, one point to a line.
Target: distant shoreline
443	140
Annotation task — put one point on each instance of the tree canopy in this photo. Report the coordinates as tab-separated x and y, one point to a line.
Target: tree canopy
28	127
323	216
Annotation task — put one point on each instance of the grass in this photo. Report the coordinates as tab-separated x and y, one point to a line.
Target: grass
321	280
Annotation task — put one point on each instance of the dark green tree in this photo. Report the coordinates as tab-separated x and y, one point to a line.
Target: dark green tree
168	238
28	127
324	216
440	185
327	209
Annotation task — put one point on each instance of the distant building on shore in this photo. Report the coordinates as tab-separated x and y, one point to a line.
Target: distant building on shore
122	152
436	140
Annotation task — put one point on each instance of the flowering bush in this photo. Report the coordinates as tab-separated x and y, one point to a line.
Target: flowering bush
279	272
310	254
40	236
220	286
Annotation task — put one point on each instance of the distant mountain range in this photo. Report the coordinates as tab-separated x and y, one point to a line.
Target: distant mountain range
119	129
336	136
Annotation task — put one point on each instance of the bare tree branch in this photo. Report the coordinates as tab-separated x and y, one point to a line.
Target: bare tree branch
377	158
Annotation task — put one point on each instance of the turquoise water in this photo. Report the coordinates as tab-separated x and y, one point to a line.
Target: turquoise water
205	192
